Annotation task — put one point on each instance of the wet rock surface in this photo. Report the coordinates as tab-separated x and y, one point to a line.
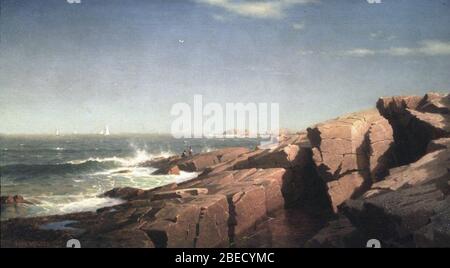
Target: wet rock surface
381	173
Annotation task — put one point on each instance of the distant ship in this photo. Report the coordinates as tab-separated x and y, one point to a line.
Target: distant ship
57	132
105	131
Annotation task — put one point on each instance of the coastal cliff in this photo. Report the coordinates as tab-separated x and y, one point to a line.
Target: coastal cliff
382	173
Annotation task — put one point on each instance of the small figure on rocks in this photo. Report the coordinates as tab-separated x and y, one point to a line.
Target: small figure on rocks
16	199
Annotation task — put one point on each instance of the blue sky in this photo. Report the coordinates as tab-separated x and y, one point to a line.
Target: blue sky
78	67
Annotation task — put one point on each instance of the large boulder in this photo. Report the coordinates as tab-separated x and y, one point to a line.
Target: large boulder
227	205
416	121
239	182
344	188
435	103
125	193
430	168
412	202
381	141
202	222
389	106
347	150
438	125
252	194
394	217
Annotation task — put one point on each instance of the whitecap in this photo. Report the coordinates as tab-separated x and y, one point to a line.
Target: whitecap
207	149
64	204
89	204
140	156
185	176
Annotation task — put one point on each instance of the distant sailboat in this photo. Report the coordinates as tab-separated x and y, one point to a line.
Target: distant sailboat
57	132
106	131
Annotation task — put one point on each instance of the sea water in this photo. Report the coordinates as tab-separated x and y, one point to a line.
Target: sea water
64	174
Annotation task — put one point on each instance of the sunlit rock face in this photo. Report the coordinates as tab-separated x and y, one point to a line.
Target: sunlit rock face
350	152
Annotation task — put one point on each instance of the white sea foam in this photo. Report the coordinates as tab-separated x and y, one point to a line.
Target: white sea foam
72	203
142	177
207	149
127	173
139	157
138	178
89	204
185	176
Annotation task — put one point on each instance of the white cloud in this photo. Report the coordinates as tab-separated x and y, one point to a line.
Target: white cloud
374	35
426	47
380	35
399	51
359	52
256	9
218	17
435	47
303	52
298	26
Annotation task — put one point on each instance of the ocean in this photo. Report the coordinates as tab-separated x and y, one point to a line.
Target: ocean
65	174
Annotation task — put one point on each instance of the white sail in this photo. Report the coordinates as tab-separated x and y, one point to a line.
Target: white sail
107	131
57	132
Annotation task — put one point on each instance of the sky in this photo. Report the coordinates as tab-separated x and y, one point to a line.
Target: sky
124	63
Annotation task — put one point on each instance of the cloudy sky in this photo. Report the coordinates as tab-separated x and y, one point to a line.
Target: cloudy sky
78	67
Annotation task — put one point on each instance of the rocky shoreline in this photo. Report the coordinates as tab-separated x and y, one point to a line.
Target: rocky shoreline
382	173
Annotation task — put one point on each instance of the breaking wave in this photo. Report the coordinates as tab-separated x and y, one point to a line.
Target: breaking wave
79	166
